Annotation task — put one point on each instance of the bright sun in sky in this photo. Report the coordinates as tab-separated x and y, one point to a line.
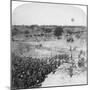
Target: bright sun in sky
28	13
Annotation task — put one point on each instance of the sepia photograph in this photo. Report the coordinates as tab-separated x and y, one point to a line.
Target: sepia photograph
49	44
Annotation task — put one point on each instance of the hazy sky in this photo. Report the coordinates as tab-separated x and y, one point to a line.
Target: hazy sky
29	13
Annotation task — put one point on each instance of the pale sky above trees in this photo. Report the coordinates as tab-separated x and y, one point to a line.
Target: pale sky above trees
28	13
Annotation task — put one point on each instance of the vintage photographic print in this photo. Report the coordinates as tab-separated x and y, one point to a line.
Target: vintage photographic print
49	45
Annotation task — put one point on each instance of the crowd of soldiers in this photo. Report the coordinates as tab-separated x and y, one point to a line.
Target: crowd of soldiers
28	72
31	72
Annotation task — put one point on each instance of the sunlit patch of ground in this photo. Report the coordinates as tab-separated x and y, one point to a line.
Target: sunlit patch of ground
61	78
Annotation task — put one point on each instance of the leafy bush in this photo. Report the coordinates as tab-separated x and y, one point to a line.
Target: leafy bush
58	31
15	31
26	32
70	39
81	61
47	30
